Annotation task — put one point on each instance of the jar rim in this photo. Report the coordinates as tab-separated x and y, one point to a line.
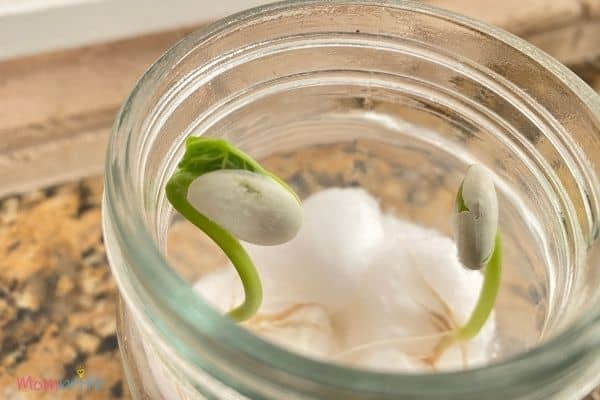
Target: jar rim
199	319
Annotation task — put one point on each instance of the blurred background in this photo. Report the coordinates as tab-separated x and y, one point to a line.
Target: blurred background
65	68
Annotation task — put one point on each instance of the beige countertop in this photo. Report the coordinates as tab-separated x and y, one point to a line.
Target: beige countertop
57	297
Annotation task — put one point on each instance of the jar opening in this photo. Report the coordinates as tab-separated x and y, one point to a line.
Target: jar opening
401	96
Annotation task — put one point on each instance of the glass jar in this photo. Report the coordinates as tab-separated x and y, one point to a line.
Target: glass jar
398	98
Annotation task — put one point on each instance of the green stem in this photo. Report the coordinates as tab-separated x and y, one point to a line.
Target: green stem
487	295
176	191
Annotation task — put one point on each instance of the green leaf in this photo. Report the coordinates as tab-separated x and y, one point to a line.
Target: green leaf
204	154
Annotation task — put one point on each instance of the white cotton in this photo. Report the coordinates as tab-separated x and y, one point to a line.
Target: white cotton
304	328
415	289
360	288
301	327
398	229
222	289
325	262
387	304
452	285
473	353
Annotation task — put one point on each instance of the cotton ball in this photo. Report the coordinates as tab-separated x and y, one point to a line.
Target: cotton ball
456	287
453	358
398	229
279	268
304	328
454	290
324	263
353	279
450	288
221	289
343	227
415	292
392	300
472	353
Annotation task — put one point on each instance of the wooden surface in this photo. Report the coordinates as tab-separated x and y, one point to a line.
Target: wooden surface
569	30
56	110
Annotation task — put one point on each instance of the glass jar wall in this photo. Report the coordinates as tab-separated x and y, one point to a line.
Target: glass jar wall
397	98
